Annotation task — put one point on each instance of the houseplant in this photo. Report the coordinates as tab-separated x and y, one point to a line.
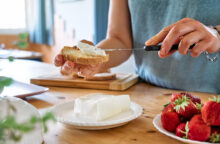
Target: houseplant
15	128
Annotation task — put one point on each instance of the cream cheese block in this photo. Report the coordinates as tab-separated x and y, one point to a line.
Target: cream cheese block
100	107
24	111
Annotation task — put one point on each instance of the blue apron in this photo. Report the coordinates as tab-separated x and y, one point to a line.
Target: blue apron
181	72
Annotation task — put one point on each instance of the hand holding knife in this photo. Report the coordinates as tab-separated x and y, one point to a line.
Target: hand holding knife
149	48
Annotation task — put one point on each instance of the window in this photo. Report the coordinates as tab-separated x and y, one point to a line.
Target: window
12	16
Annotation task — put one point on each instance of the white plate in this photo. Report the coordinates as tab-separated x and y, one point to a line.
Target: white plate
158	125
6	53
21	90
64	114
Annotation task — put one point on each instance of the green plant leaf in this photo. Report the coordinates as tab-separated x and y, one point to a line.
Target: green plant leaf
22	44
18	129
48	116
16	137
5	81
11	59
1	133
34	120
23	36
9	122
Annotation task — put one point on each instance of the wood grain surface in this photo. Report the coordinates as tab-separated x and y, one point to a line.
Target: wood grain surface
139	131
122	82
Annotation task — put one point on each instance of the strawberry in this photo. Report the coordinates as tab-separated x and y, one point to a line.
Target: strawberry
169	118
211	112
215	135
182	130
184	106
193	98
198	129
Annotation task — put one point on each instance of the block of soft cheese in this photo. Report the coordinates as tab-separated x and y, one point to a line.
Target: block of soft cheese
100	107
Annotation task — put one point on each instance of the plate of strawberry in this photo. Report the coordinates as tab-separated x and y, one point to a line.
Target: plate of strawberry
184	118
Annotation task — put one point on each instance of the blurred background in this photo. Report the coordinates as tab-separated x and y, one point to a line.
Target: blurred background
42	27
51	24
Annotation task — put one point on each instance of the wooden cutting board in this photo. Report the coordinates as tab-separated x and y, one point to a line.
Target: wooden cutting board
122	82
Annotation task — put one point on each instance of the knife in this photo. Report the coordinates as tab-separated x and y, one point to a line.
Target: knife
149	48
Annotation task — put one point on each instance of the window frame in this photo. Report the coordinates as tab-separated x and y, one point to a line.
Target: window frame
17	30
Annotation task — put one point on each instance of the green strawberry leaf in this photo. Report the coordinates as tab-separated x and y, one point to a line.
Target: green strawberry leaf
199	106
164	106
215	138
181	103
215	99
185	137
183	132
187	129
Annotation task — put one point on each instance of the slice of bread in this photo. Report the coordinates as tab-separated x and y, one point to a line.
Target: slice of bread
75	55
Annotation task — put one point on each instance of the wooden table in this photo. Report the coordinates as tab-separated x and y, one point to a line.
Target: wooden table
139	131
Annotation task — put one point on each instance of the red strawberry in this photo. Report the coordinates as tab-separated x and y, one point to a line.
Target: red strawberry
193	98
182	130
211	112
215	135
198	129
184	106
169	118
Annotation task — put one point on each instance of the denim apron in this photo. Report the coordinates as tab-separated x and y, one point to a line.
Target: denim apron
181	72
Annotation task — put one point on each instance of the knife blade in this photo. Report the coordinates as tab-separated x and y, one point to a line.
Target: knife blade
149	48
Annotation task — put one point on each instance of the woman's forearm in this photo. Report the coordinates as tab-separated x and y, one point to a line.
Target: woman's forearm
115	57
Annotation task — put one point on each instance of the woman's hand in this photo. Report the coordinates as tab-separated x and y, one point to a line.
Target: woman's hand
187	32
69	67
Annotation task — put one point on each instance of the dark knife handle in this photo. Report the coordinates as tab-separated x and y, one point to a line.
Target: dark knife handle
157	47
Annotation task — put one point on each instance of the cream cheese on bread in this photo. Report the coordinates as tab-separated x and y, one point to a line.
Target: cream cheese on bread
90	50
